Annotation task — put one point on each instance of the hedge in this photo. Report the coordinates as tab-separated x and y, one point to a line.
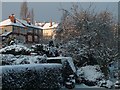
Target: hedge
31	77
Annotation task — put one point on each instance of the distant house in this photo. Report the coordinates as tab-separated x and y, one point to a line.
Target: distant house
49	29
22	30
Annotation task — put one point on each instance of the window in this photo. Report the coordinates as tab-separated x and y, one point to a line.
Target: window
15	29
5	30
29	38
30	30
23	31
36	38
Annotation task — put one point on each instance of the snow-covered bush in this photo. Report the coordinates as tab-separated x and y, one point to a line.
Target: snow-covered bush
31	76
90	75
9	59
41	49
106	83
15	50
117	84
38	48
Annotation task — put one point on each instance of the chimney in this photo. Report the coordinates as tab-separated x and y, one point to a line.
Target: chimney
28	21
50	23
12	18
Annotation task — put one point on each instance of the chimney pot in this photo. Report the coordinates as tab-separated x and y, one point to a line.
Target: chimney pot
12	18
28	21
50	23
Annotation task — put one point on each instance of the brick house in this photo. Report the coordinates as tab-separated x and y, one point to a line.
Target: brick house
22	30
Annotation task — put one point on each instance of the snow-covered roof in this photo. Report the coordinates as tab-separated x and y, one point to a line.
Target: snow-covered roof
47	25
19	22
24	22
8	22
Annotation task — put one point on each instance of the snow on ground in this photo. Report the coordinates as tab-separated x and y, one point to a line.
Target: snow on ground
91	73
80	86
85	86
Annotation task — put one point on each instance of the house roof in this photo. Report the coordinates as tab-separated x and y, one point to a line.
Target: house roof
8	22
24	22
19	22
47	25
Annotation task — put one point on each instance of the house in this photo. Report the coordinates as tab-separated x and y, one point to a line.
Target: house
21	30
49	29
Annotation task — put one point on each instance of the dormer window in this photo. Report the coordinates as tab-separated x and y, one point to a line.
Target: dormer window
5	30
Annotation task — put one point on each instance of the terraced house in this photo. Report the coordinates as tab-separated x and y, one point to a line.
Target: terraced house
22	30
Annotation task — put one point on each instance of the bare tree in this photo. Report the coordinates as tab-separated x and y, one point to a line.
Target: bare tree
24	10
32	16
88	35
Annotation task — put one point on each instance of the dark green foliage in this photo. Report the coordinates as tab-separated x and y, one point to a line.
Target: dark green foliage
31	79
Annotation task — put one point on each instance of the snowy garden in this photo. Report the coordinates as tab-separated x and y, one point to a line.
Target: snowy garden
29	68
82	54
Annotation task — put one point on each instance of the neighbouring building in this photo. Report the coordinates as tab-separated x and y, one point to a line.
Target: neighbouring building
21	30
49	29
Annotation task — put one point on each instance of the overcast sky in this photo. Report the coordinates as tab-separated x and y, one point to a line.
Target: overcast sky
44	11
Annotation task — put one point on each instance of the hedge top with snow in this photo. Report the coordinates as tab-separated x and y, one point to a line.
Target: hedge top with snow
15	50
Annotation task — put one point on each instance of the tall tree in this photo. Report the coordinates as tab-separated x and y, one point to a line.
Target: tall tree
88	37
24	10
32	16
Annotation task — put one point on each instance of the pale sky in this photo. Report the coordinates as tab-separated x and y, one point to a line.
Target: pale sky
44	11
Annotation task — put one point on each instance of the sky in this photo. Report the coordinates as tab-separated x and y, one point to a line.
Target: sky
45	11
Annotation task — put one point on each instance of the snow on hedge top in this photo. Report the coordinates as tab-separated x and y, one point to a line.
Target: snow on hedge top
91	73
18	68
16	47
9	59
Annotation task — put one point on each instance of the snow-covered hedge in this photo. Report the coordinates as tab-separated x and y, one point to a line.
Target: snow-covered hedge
90	74
9	59
41	49
31	76
16	50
